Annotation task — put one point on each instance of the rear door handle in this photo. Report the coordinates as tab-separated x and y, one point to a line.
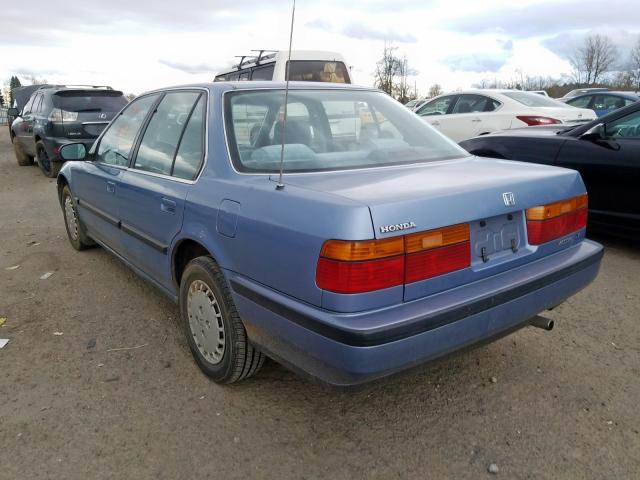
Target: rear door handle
476	120
436	124
111	187
168	206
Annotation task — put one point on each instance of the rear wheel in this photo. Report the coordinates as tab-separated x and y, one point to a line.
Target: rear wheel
75	229
22	158
216	336
49	167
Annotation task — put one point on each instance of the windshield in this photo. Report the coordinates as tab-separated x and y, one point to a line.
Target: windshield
328	130
533	100
100	101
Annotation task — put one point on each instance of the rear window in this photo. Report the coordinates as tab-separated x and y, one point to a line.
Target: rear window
533	100
82	101
328	129
318	71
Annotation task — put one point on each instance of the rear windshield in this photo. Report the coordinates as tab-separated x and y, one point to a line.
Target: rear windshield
318	71
78	101
328	130
533	100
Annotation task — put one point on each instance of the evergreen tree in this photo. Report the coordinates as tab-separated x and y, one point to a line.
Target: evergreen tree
13	83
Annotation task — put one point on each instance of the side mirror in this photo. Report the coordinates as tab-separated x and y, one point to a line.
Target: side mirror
597	132
13	112
73	151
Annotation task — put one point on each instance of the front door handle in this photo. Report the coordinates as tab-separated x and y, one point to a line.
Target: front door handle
168	206
476	120
111	187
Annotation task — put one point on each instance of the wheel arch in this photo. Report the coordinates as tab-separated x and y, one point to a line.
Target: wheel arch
62	182
185	250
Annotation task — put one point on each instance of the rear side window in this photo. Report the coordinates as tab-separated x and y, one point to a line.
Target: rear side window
263	73
79	101
191	149
474	104
318	71
161	138
607	102
115	145
28	107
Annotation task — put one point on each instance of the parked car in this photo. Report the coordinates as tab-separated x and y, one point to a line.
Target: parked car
582	91
380	248
603	103
19	98
55	115
466	114
606	152
306	65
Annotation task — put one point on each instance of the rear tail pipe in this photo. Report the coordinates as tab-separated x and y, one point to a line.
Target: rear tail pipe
542	322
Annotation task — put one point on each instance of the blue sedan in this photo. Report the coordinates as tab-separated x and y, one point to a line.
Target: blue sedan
385	245
603	103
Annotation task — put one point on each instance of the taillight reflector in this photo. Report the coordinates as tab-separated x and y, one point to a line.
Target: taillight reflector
436	238
555	220
431	263
359	277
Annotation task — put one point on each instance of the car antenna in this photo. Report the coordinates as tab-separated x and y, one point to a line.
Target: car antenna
280	185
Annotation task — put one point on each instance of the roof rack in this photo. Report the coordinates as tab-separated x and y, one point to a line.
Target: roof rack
105	87
254	60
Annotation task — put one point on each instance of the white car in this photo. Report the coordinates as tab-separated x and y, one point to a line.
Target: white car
467	114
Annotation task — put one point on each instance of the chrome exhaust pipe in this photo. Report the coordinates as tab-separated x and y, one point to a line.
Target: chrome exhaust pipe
542	322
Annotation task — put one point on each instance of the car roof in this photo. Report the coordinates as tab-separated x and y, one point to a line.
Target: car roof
609	93
264	85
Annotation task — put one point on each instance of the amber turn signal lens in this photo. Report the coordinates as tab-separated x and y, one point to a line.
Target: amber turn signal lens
553	210
362	250
440	237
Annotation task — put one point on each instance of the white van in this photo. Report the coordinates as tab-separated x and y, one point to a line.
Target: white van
306	66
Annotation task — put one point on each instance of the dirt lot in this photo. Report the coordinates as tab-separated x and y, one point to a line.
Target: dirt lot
564	405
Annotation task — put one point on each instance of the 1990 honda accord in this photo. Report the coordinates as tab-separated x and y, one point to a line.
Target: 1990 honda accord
386	245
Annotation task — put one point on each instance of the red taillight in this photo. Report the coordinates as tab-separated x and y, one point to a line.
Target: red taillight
359	277
432	263
364	266
549	222
537	120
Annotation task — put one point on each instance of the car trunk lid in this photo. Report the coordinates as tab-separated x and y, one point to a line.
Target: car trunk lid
85	113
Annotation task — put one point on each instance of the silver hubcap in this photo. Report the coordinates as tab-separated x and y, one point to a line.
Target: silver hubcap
205	321
70	217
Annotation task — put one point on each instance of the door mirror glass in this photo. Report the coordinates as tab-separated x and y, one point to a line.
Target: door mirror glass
13	112
597	132
73	151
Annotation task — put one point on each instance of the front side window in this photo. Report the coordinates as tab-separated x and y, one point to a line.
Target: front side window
625	127
580	102
438	106
327	130
115	145
28	108
161	138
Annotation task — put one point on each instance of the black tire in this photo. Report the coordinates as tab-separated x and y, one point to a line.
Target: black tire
240	359
77	236
23	159
49	167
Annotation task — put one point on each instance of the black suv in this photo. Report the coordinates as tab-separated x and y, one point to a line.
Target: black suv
56	115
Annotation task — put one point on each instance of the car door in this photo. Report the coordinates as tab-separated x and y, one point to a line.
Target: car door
470	116
23	126
435	111
165	164
611	171
96	185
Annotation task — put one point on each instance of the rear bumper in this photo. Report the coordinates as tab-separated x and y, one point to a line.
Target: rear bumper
347	349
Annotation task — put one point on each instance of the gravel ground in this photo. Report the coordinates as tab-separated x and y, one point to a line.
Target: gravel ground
558	405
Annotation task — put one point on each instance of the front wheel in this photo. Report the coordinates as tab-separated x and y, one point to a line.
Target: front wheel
75	229
215	333
49	167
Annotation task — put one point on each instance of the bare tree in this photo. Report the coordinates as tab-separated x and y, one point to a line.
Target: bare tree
386	70
402	86
593	59
435	90
635	64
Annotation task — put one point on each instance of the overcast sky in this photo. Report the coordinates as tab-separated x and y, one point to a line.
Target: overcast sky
138	45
